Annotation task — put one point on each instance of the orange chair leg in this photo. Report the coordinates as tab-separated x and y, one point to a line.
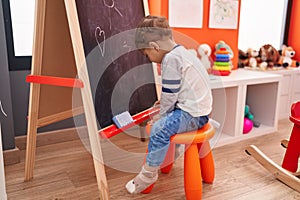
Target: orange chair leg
206	162
192	174
208	168
167	165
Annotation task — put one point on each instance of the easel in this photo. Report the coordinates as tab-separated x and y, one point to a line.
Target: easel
57	50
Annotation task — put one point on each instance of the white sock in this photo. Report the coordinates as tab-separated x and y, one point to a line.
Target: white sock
143	180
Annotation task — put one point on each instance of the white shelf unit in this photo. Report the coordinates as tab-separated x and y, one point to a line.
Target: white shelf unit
231	93
290	90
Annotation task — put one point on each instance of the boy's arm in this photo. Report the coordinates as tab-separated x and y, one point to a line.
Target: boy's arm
171	81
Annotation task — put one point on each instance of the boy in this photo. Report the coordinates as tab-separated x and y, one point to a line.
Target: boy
186	99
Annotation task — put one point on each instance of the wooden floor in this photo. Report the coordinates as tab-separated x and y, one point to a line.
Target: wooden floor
65	171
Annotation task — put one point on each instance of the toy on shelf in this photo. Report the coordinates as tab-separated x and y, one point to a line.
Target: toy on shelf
247	113
248	59
288	172
204	51
249	121
248	125
252	57
268	57
243	59
222	44
222	65
287	53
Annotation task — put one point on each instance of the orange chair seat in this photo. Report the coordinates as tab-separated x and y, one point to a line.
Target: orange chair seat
194	137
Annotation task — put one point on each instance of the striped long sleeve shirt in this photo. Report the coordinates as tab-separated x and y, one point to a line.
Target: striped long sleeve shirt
184	84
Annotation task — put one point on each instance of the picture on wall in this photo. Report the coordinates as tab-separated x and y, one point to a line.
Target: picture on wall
186	18
223	14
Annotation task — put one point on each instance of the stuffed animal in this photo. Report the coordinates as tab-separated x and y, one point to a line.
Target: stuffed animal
204	51
287	53
248	59
243	59
252	57
268	56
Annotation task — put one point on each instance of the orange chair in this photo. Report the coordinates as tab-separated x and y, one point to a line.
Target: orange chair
198	160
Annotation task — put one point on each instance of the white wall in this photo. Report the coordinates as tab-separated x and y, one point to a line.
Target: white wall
261	22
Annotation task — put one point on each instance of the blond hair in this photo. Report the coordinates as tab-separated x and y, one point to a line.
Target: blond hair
151	29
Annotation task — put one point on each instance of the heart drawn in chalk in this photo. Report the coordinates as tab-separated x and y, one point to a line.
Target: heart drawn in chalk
100	36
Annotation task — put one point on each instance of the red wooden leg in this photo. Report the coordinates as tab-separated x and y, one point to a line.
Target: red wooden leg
290	161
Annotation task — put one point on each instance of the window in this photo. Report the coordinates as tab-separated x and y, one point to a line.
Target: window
19	24
262	22
22	20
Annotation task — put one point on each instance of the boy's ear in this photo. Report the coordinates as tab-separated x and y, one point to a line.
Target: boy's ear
154	45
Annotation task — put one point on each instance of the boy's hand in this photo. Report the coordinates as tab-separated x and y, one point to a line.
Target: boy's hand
156	103
153	120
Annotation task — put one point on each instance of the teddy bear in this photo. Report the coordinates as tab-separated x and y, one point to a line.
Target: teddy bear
243	59
204	52
248	59
268	56
252	57
287	53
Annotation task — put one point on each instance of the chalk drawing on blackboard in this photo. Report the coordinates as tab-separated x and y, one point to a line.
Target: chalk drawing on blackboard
2	110
100	35
112	6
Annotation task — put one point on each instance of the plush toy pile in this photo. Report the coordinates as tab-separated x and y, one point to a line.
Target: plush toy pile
268	58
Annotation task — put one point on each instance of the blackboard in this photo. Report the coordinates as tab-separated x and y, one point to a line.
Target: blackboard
121	77
6	114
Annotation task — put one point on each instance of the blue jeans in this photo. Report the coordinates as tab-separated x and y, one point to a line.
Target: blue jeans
177	121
